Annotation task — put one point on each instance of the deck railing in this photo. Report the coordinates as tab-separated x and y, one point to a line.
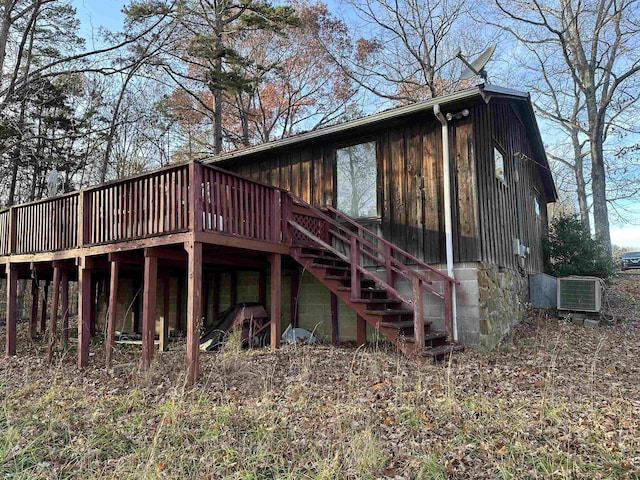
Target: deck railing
151	204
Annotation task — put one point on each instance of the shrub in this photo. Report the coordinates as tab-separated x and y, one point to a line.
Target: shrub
571	250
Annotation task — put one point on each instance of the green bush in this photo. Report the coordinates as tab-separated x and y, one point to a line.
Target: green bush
571	250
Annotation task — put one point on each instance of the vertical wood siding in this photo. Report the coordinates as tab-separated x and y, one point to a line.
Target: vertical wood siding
410	184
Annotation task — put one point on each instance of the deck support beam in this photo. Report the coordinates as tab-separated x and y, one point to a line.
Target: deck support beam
276	303
12	309
194	305
53	313
112	312
84	310
149	307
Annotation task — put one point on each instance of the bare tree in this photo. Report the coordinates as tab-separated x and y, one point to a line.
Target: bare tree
594	45
406	54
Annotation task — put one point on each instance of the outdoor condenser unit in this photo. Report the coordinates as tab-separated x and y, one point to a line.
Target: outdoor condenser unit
582	294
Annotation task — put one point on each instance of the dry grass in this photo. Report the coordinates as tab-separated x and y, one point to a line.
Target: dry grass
557	401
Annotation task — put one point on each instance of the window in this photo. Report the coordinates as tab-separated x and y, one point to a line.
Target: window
536	203
356	180
498	159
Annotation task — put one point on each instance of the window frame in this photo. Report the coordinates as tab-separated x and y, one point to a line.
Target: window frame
503	154
353	143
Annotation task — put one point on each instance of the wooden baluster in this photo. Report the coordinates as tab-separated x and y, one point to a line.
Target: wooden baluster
390	274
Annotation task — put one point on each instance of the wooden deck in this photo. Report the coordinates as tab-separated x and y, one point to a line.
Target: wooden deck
183	216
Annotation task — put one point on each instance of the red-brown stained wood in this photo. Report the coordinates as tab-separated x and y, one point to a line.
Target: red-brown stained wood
276	304
53	314
113	311
149	308
84	312
194	315
11	309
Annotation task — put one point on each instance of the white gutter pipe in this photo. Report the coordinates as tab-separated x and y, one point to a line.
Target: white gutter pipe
448	223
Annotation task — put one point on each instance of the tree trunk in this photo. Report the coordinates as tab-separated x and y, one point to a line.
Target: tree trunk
581	185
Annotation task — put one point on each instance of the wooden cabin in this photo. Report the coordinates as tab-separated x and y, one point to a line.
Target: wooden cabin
375	228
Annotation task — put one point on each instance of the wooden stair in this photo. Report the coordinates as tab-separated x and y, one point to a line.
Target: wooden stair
378	304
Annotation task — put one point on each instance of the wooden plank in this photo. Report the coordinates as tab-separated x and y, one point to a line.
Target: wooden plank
194	315
53	314
149	308
33	319
112	312
276	306
413	189
84	312
11	309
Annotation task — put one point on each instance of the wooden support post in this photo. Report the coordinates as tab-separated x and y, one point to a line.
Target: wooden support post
361	331
295	287
164	319
12	309
113	311
43	310
418	315
53	313
355	273
216	295
233	288
194	315
65	308
35	299
276	303
262	287
335	333
276	218
84	310
149	307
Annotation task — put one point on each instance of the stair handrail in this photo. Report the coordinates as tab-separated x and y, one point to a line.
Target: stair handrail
393	247
399	267
418	281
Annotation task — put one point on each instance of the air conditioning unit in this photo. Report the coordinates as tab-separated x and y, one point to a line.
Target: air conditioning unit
581	294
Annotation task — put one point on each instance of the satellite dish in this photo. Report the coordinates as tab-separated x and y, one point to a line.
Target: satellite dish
477	66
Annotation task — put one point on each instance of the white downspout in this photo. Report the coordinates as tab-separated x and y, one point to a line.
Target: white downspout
448	223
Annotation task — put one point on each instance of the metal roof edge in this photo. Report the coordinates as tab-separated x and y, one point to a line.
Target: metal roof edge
353	124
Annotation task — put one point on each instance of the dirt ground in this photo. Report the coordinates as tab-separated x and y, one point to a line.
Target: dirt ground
555	400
